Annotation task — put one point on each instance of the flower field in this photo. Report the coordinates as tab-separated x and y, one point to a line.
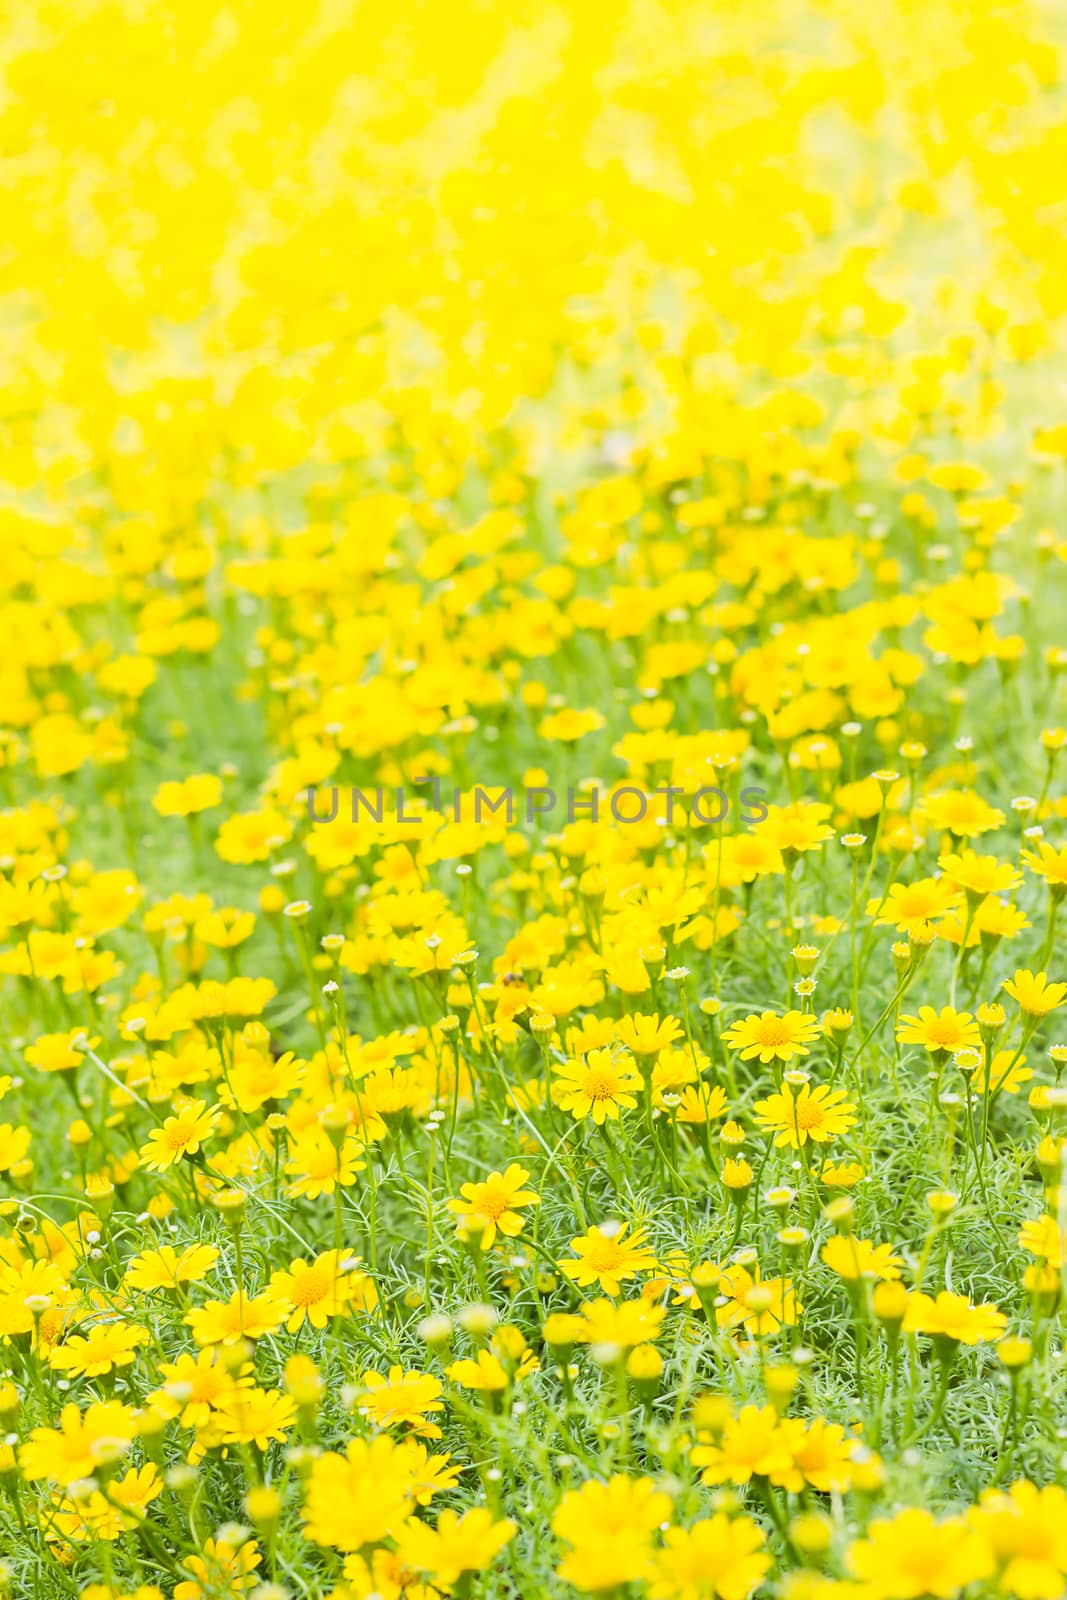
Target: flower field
533	831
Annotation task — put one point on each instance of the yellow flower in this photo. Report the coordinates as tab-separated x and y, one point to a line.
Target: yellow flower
127	675
759	1305
494	1205
766	1036
167	1267
485	1373
909	906
646	1036
99	1517
953	1317
189	797
107	1346
317	1167
403	1399
570	725
458	1544
823	1458
701	1104
181	1135
1008	1072
82	1444
25	905
224	1567
1043	1236
14	1143
225	929
942	1033
60	1052
383	1573
363	1496
818	1114
755	1443
1049	863
249	1415
841	1175
316	1291
719	1557
962	812
252	836
596	1085
797	828
626	1324
1025	1528
609	1527
1035	996
979	875
239	1318
107	901
193	1386
912	1555
608	1256
853	1258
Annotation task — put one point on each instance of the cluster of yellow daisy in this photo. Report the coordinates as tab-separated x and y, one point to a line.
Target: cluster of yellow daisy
533	831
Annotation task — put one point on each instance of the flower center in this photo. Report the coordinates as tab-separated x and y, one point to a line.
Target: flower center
774	1031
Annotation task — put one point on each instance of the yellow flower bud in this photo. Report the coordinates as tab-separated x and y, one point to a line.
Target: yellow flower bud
811	1533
